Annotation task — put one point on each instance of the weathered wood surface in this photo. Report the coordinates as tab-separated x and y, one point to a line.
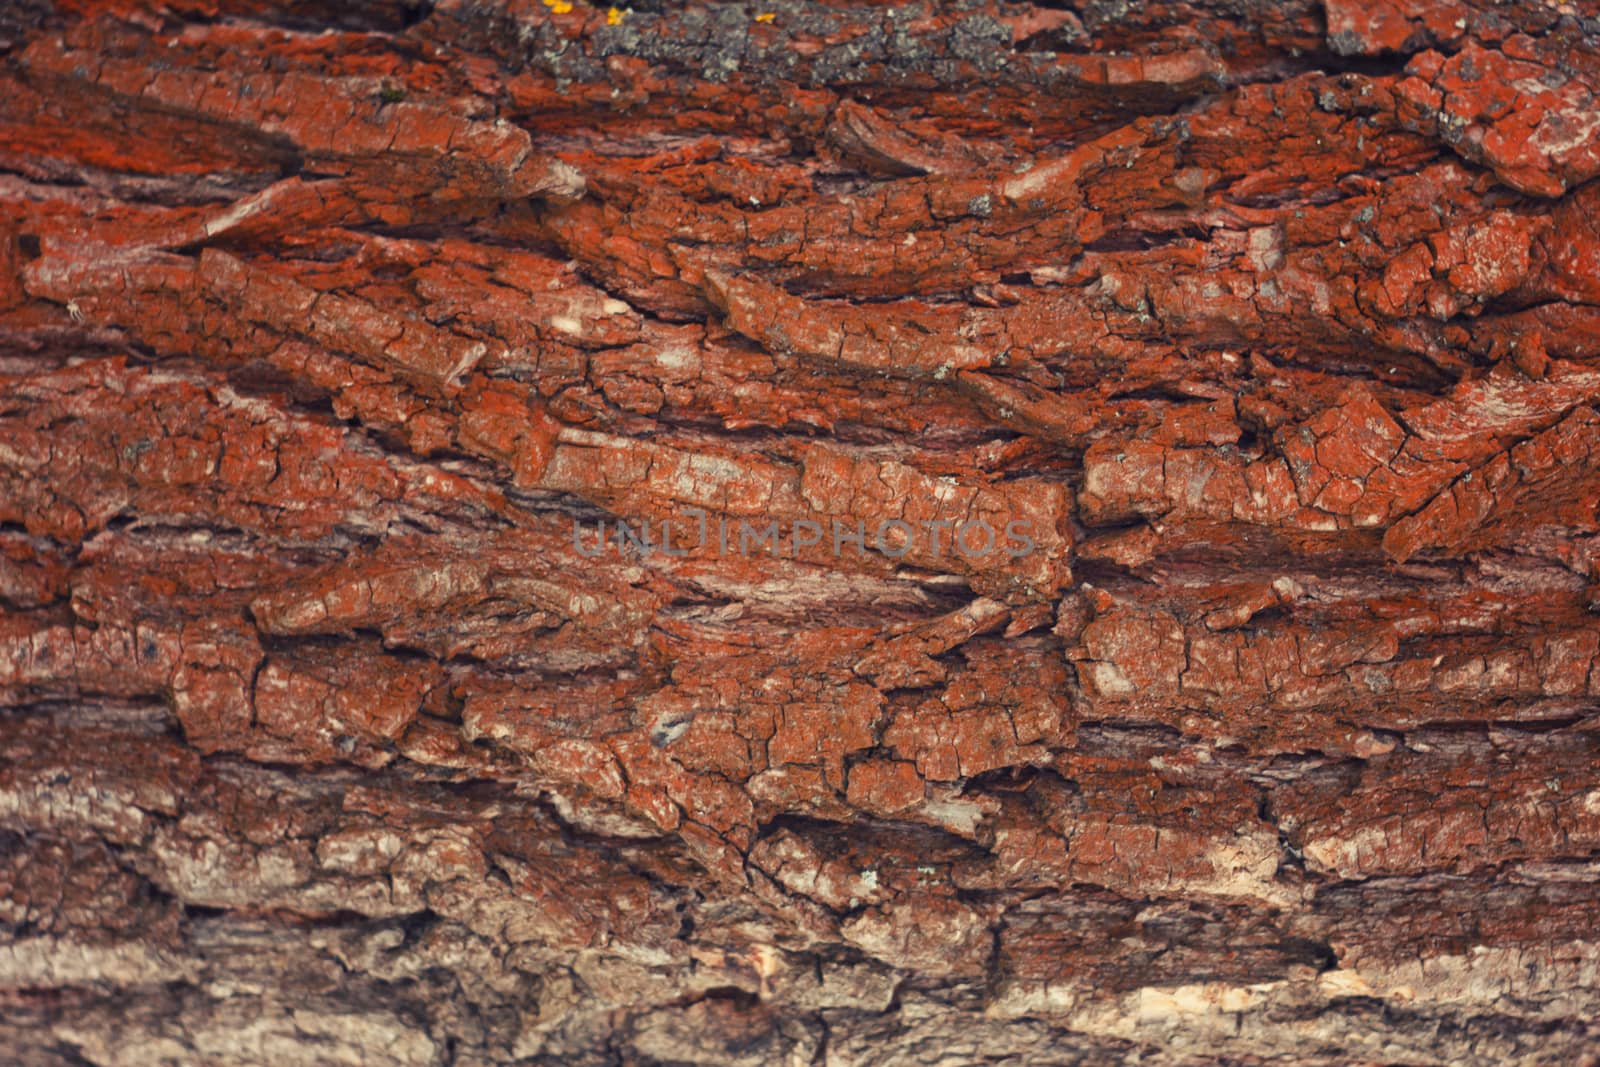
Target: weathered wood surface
1275	328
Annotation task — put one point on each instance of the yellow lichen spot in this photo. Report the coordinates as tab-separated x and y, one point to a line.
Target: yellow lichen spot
614	16
766	16
560	7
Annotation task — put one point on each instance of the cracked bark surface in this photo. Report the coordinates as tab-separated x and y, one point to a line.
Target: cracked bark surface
324	325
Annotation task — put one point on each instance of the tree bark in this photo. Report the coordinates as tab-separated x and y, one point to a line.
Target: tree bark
1108	565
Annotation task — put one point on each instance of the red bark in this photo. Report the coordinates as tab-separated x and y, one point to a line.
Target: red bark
1262	339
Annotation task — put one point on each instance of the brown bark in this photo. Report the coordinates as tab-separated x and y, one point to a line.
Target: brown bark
1274	329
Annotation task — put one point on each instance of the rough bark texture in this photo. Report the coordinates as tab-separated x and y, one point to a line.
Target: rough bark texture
324	324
